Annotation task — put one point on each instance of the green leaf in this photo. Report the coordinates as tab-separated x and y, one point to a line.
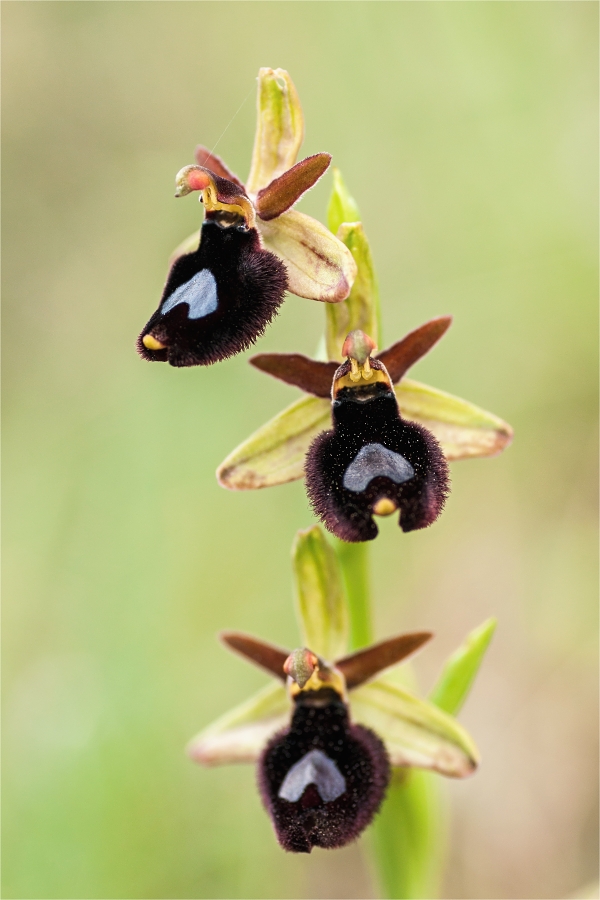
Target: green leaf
408	836
361	309
415	732
279	128
241	734
458	674
464	430
275	453
320	598
342	207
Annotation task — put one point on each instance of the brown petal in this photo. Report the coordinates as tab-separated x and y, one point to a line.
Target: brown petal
312	376
284	191
401	356
208	160
259	652
364	664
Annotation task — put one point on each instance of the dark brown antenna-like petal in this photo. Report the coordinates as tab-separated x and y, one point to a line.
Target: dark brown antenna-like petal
282	192
259	652
208	160
359	667
312	376
401	356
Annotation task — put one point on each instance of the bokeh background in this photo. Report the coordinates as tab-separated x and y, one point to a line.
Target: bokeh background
468	134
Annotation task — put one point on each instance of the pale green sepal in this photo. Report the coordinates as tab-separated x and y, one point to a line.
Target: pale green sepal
241	734
190	244
275	453
321	604
415	732
342	207
464	430
319	266
279	128
409	836
458	674
361	309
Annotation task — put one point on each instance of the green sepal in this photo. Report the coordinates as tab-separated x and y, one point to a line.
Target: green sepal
241	734
342	206
464	430
275	453
458	674
321	602
415	732
279	128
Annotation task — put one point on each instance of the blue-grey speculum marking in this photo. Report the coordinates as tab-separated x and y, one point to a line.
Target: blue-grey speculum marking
373	461
314	768
200	293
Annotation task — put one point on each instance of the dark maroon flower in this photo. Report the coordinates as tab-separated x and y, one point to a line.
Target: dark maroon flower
324	765
219	298
373	461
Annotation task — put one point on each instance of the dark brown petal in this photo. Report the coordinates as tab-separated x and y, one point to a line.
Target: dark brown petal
265	655
312	376
284	191
208	160
401	356
364	664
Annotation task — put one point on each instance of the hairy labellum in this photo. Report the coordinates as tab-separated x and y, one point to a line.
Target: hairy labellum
322	779
374	462
217	300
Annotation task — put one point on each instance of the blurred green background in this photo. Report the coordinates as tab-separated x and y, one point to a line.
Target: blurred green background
468	134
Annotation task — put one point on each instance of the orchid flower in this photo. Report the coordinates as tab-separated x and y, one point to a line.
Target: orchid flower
327	733
225	286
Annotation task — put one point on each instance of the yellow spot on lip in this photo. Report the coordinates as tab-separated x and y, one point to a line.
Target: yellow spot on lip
384	507
150	343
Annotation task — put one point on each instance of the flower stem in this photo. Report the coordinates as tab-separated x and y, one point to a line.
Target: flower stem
407	838
354	560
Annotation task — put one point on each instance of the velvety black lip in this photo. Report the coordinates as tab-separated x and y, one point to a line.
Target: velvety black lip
321	722
349	514
250	282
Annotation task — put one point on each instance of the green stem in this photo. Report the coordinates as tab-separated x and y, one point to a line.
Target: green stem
354	560
407	838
